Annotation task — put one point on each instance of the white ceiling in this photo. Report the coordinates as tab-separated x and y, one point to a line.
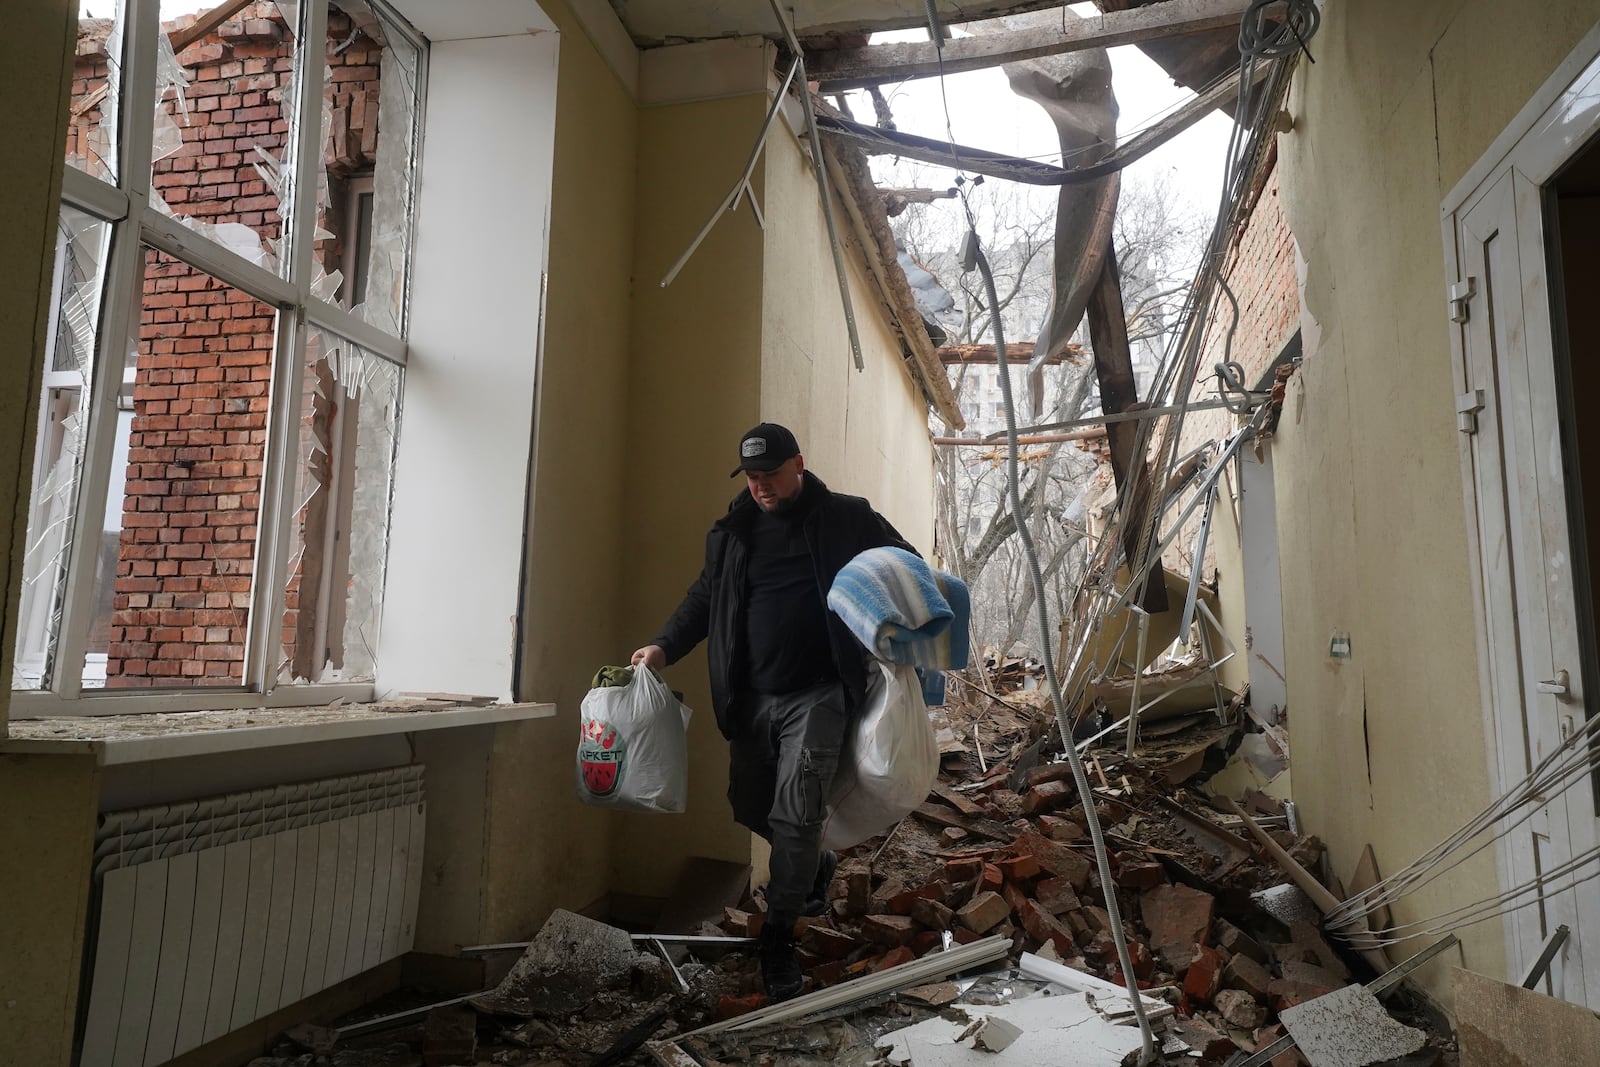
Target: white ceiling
654	22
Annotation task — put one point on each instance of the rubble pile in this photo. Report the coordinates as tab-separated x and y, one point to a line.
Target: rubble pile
1221	942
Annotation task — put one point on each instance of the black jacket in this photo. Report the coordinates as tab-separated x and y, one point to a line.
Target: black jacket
837	529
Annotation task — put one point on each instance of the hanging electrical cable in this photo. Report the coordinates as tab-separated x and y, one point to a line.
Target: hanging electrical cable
1275	40
1566	767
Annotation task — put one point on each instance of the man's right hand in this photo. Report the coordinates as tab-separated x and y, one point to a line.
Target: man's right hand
652	656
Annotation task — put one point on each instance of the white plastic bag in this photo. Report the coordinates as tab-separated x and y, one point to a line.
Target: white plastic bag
633	748
889	760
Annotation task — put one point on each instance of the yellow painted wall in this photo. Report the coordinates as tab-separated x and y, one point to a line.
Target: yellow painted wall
862	432
1389	746
693	388
35	65
47	805
545	850
47	819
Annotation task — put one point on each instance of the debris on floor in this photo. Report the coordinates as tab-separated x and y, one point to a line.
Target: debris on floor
993	873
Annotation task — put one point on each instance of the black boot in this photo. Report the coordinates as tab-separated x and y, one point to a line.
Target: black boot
817	901
780	971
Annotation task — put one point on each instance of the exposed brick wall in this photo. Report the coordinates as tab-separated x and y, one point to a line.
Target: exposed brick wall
1260	270
204	359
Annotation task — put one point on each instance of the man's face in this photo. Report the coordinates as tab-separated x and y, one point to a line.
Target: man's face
776	489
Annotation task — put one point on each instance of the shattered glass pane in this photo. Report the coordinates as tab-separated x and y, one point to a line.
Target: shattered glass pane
96	89
177	553
369	139
82	243
221	132
349	425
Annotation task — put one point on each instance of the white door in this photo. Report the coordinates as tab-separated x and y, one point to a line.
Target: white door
1525	556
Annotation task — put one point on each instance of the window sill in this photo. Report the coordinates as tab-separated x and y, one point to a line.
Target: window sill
146	738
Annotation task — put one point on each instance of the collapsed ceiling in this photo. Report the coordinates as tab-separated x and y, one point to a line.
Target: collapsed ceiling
656	22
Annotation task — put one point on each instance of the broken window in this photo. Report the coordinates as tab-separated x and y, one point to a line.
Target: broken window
348	431
214	450
82	242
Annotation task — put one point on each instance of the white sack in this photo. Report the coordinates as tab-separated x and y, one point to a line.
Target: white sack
889	760
633	747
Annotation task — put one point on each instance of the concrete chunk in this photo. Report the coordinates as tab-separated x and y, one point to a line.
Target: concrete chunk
1349	1028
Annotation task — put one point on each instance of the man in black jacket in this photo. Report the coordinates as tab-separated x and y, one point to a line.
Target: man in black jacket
787	676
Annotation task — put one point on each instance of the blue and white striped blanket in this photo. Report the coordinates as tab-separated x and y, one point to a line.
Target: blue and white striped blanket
903	610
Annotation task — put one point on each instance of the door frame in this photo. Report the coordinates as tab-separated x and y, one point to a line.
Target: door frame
1558	122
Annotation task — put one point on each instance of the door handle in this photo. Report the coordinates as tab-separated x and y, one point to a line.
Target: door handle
1559	687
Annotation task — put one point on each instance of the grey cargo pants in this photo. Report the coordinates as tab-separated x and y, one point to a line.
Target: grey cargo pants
783	759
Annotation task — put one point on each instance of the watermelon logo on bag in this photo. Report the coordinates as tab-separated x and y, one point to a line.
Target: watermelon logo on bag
601	751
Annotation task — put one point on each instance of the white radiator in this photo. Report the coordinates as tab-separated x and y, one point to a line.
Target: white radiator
214	913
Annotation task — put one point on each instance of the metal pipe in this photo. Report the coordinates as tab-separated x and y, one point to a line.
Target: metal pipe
1150	1049
1198	567
1546	954
1138	677
731	201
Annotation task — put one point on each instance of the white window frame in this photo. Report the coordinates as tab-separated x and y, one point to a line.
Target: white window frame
126	205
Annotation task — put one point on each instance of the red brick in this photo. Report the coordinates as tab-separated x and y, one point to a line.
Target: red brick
890	930
1018	868
986	911
1204	977
1177	913
1056	895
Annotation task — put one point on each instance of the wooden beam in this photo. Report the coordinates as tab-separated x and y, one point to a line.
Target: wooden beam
207	22
1026	439
1017	353
1119	392
852	68
852	183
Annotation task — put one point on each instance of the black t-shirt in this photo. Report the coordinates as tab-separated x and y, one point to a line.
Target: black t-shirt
786	622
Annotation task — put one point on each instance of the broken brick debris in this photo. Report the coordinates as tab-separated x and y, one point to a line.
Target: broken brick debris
1024	870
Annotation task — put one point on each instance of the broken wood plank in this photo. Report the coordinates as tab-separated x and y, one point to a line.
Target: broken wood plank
854	68
1360	939
942	816
1016	352
206	23
1363	878
956	800
853	185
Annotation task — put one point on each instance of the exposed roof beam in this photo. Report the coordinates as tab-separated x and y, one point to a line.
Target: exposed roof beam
851	68
1016	352
853	183
1032	172
207	22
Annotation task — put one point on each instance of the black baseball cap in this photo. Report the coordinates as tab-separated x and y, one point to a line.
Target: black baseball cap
765	448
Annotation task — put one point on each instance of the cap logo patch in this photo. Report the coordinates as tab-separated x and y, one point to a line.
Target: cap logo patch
751	447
